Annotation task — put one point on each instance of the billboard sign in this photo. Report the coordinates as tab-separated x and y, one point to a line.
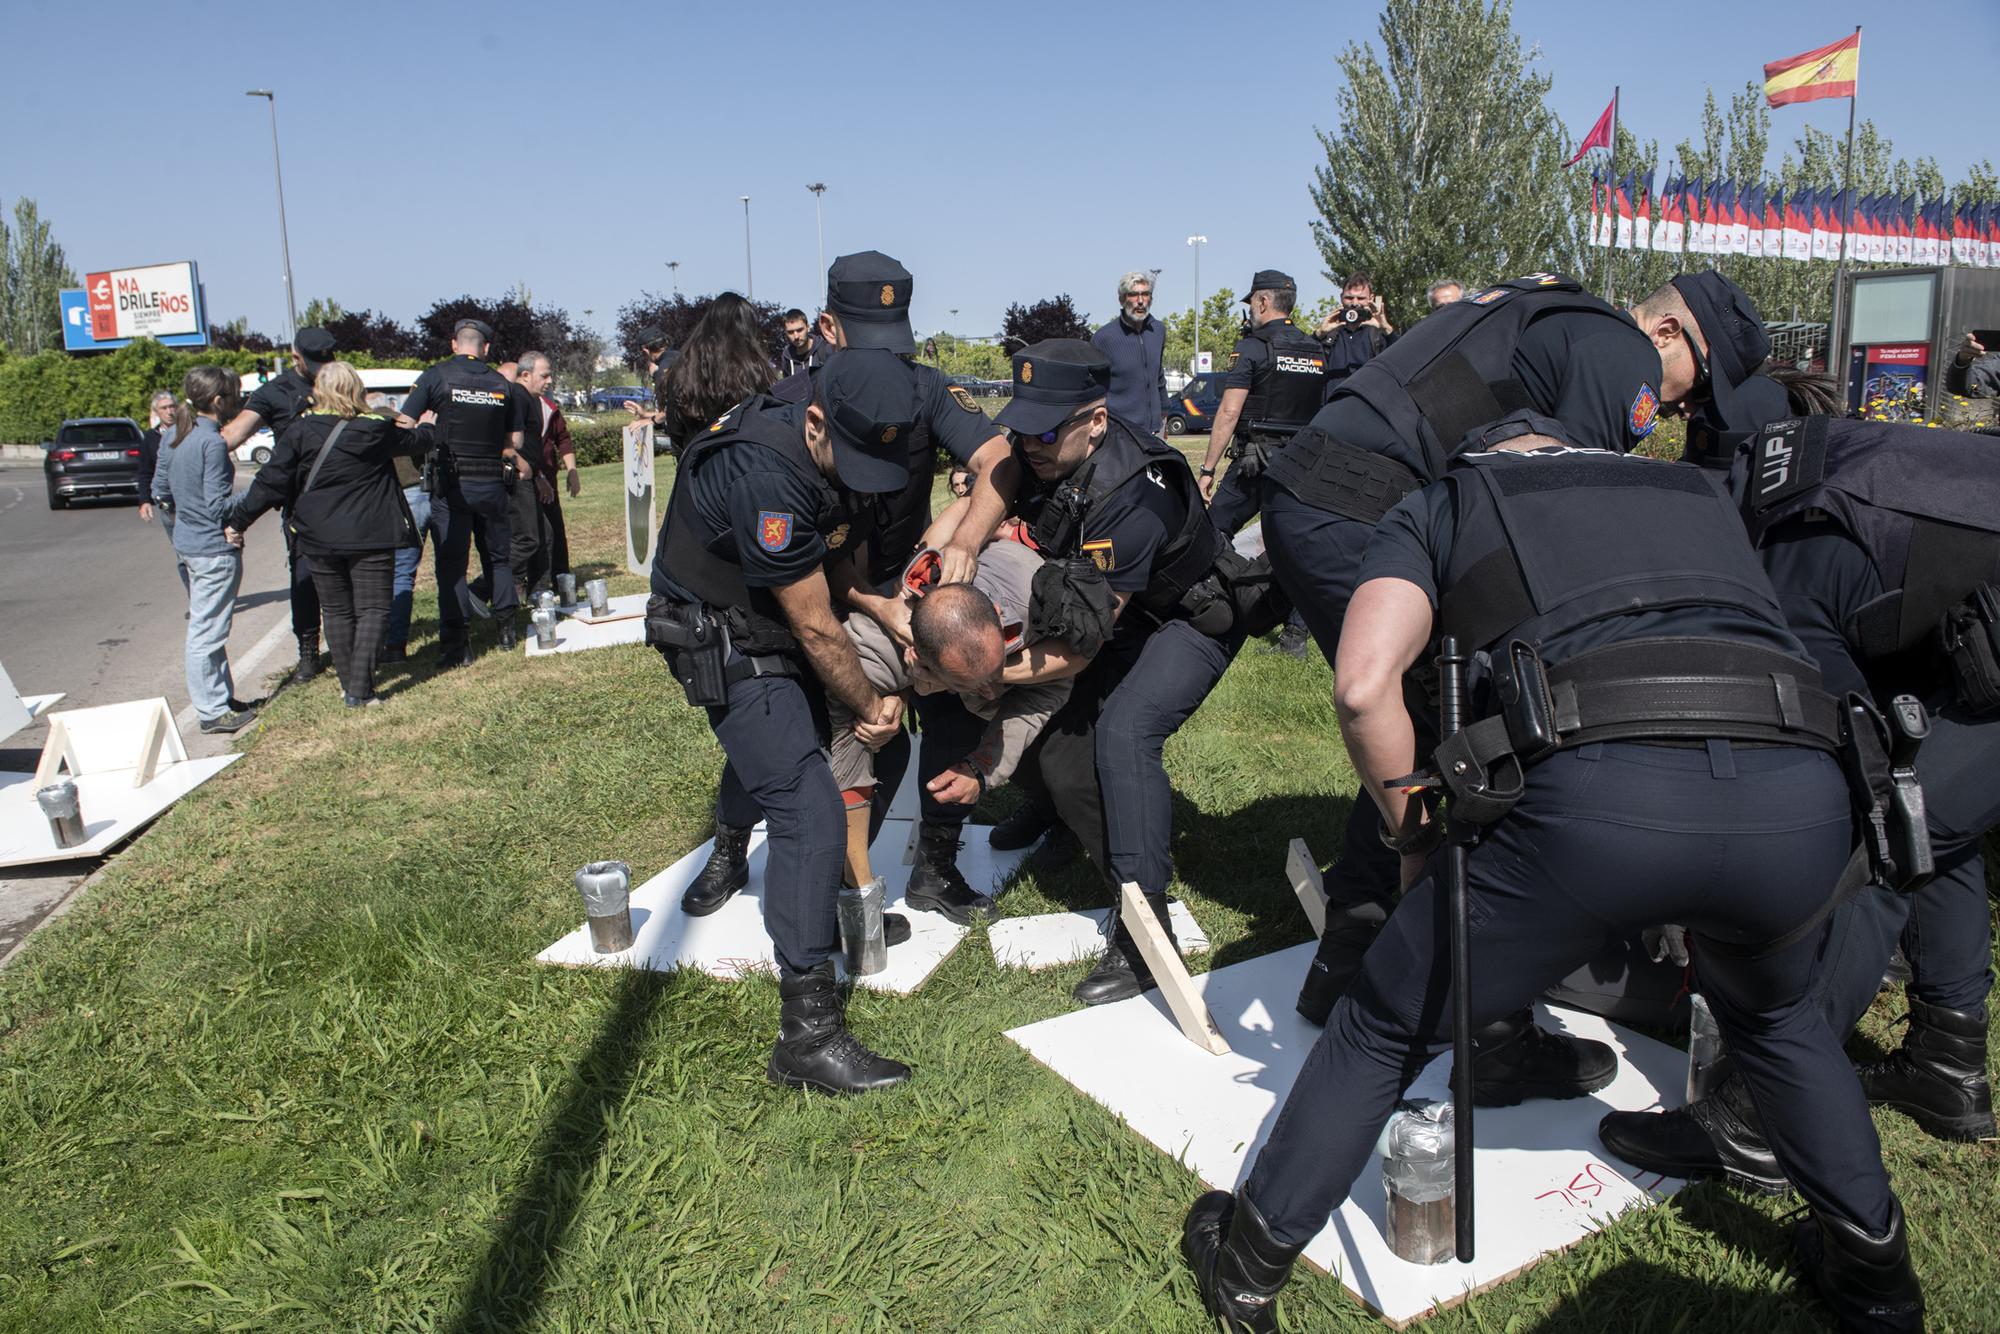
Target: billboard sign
161	301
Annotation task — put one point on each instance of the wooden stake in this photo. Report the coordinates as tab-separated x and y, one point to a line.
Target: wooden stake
1303	872
1189	1009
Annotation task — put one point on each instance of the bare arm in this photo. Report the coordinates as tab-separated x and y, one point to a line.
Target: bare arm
241	427
808	608
1387	625
995	477
1220	434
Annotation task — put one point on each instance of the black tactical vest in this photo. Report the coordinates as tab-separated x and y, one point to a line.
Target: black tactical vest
704	560
1592	535
1454	369
472	419
1290	386
1123	456
1924	505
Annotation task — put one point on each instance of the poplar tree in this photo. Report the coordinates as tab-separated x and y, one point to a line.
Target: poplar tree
34	273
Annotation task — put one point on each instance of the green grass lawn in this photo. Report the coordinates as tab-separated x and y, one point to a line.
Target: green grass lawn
288	1066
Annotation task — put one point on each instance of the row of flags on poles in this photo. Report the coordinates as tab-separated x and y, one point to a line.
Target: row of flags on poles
1727	217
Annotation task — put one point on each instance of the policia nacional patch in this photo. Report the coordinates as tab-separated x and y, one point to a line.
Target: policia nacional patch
960	397
1101	554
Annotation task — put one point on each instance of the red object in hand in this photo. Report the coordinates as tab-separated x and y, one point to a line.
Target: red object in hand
925	568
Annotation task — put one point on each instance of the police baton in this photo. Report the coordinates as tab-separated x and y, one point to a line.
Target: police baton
1452	706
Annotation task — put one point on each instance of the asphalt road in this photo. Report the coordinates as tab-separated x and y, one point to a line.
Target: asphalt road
90	605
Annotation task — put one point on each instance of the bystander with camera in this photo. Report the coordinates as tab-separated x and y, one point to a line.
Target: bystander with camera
1357	329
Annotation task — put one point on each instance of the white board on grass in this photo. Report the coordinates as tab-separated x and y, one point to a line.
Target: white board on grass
113	809
575	634
1051	939
1544	1180
41	704
732	941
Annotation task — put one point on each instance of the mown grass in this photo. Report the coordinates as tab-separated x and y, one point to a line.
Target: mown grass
288	1064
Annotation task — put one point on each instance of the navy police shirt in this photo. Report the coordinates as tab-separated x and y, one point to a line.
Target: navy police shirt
280	400
1122	532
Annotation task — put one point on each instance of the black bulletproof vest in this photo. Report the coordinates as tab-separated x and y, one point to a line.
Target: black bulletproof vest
1123	456
1591	535
1924	505
1289	387
473	417
1454	369
704	560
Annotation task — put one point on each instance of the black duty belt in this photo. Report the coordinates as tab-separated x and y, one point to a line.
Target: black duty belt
1345	479
479	464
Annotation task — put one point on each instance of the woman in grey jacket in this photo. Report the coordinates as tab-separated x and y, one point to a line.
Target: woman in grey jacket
193	479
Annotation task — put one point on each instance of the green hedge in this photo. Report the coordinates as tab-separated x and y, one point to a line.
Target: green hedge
39	393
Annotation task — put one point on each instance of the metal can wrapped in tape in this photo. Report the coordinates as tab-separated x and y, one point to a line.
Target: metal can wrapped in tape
863	934
59	803
1417	1147
607	905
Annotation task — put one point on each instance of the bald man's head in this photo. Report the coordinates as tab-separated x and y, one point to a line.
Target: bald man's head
958	642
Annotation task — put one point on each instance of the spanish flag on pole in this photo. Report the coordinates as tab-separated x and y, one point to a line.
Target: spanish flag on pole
1828	72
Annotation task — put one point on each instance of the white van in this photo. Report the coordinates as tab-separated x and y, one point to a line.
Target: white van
393	381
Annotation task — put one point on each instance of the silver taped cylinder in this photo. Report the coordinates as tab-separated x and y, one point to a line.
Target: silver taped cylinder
607	905
1417	1174
59	803
863	936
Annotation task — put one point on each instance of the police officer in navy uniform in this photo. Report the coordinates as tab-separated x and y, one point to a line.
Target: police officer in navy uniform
1657	693
1275	384
1134	561
1710	323
1539	342
1883	542
277	403
760	533
479	430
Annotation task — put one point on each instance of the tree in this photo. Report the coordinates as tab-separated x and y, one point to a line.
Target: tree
33	271
370	334
1221	326
1054	317
517	328
320	313
960	356
237	336
678	315
1442	156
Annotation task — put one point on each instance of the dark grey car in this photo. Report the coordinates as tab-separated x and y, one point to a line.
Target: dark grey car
92	457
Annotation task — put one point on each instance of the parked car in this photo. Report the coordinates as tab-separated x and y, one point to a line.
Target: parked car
92	457
979	388
1193	408
395	382
610	400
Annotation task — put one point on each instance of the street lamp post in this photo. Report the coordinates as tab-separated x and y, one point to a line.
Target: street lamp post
284	239
819	220
673	275
1197	242
749	281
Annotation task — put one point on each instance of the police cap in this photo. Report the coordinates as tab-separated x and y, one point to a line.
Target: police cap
1052	380
1270	280
870	293
652	336
1525	421
315	345
870	400
480	327
1734	332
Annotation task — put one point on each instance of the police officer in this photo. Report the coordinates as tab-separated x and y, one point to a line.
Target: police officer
1692	729
1538	341
1884	544
868	306
277	403
761	523
1145	593
1708	331
1276	381
479	431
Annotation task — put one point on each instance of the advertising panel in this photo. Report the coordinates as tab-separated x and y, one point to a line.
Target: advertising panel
163	302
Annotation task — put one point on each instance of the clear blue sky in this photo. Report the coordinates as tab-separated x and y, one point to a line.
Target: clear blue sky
1003	152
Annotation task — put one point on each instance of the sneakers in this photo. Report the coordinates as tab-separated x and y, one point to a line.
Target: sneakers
229	721
1514	1061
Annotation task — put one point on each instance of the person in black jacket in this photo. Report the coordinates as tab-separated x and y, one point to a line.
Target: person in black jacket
333	471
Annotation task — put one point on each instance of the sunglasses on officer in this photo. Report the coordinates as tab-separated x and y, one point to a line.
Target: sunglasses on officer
1701	390
1048	437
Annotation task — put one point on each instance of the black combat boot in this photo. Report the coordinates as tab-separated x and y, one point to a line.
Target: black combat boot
1237	1264
1867	1280
1937	1077
1027	823
1513	1061
935	882
1350	930
453	653
815	1050
726	871
1719	1136
1122	972
308	667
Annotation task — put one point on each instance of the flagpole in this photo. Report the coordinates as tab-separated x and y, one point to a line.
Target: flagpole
1611	192
1846	222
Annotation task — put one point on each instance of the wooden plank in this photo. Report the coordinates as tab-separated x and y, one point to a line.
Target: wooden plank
1189	1010
57	751
158	724
1303	871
